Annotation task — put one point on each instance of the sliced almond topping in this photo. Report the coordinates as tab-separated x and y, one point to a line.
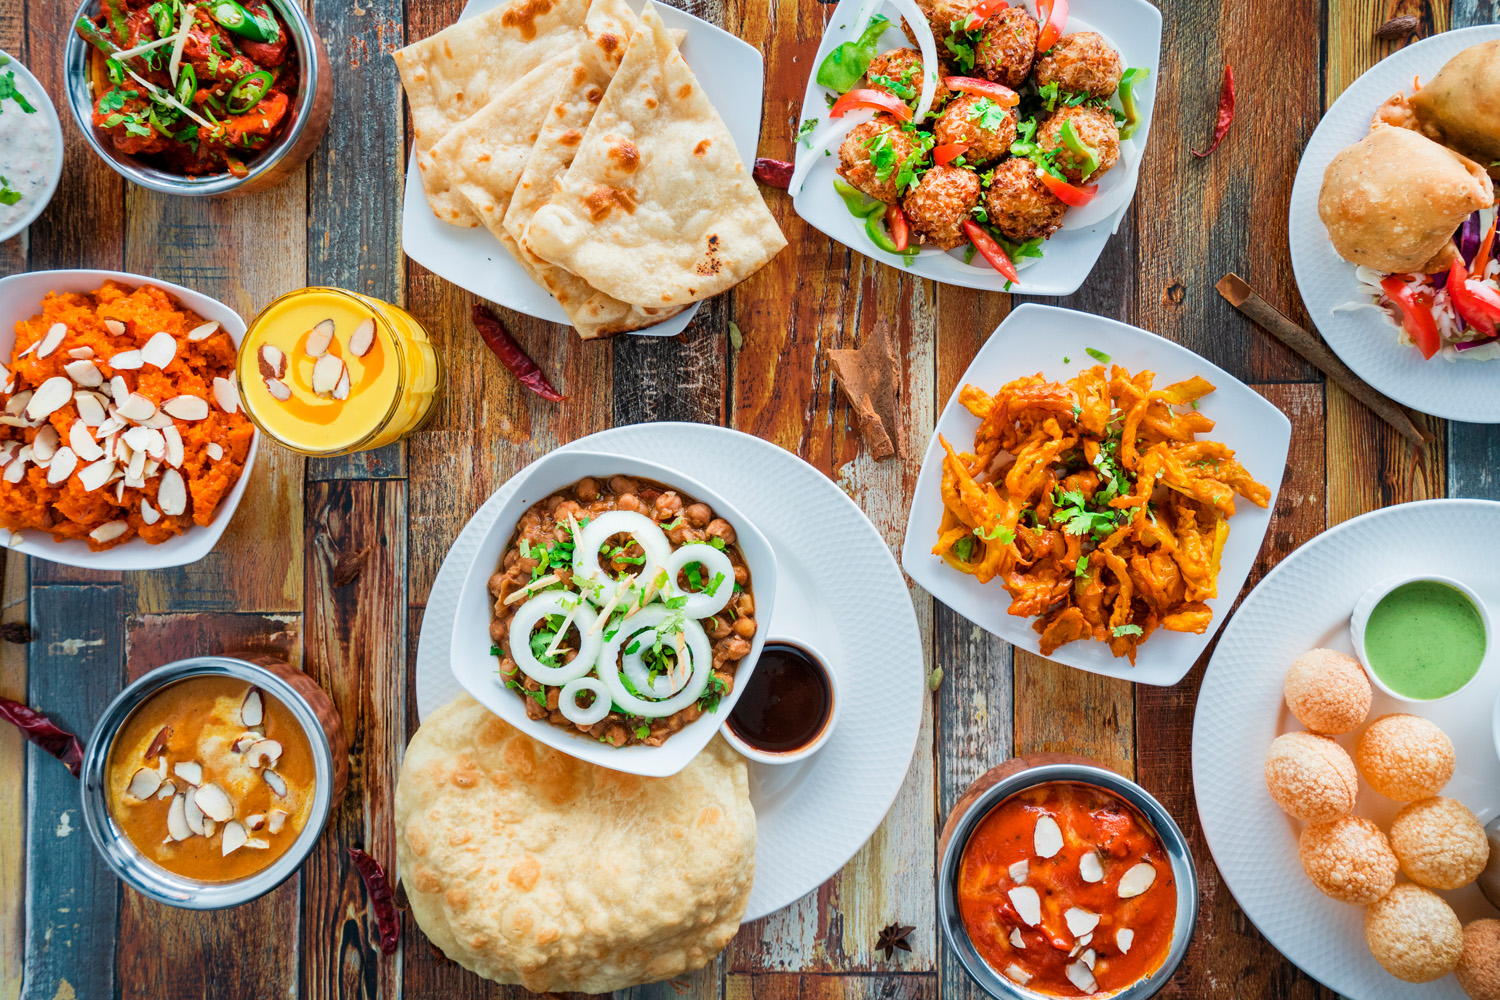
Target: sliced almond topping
15	470
90	409
1136	881
226	395
1017	974
16	405
135	469
193	813
214	802
127	361
159	350
278	389
1019	871
209	826
119	389
149	514
1090	868
276	781
363	338
326	374
214	451
109	531
91	476
84	373
81	353
51	396
177	826
186	407
161	766
189	770
258	843
253	708
1087	958
173	440
263	753
137	438
1124	938
51	340
243	742
171	493
255	821
1082	976
168	789
1016	940
144	783
203	331
158	421
319	337
1080	921
83	443
115	327
277	820
1047	838
63	464
159	742
271	361
341	391
136	407
1027	903
234	837
44	445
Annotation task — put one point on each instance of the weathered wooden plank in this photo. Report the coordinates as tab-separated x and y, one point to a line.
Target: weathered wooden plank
165	951
782	986
356	648
77	666
15	607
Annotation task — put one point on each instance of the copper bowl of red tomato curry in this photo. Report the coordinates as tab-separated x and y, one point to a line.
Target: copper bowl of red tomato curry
1060	878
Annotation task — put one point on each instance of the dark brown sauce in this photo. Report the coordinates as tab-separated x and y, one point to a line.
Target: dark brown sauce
786	703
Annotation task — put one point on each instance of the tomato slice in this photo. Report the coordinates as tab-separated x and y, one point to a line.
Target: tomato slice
997	92
1416	314
1069	194
948	152
1477	303
990	250
983	11
1053	14
895	221
879	100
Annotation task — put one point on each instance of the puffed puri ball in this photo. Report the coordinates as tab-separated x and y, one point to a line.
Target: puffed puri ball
1414	934
1348	859
1405	757
1440	843
1311	777
1328	692
1478	970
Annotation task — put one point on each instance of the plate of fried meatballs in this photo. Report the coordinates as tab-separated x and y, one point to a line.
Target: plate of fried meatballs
1009	165
1349	823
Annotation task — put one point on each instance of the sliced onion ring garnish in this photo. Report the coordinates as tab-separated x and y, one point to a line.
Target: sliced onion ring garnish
633	666
646	532
701	604
917	22
554	602
698	653
567	701
823	139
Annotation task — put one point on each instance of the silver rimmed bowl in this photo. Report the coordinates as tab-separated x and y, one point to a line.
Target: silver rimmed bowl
1016	775
308	704
309	116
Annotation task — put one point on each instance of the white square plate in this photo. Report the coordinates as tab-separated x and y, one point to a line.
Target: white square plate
1133	27
733	76
1037	338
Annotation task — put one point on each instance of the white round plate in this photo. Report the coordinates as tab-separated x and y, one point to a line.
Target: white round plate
48	111
1036	338
836	583
1134	28
1305	603
1453	390
733	76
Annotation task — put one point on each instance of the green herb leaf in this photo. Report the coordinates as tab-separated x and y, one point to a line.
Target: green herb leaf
1082	569
998	533
1124	630
805	131
642	731
1098	356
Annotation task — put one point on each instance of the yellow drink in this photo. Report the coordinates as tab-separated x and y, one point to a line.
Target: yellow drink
330	372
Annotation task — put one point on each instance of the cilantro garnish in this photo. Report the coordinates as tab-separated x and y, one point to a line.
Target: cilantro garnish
1097	355
8	89
1082	569
805	131
8	194
964	548
642	731
999	533
987	114
1124	630
715	691
496	651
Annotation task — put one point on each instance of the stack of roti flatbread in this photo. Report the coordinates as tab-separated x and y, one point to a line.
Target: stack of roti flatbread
575	132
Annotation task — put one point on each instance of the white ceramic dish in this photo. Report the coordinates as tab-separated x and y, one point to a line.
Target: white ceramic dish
1454	390
46	108
1302	604
1359	620
835	702
1037	338
20	298
1134	28
812	816
476	669
732	74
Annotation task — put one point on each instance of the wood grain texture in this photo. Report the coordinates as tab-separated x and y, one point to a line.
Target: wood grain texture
77	667
826	987
14	608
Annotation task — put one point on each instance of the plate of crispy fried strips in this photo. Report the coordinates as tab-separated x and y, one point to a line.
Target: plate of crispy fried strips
574	134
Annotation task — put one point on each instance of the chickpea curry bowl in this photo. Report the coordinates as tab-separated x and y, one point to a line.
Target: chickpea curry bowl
624	609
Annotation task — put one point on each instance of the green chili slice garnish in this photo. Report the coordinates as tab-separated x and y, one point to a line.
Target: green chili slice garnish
187	84
854	200
1080	149
247	93
1130	78
237	19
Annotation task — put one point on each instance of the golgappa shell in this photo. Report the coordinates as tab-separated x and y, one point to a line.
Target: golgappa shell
1414	934
1328	691
1439	843
1405	757
1348	859
1478	970
1311	777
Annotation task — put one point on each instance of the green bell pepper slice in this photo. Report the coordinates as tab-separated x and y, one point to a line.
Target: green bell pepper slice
854	200
1080	149
1132	111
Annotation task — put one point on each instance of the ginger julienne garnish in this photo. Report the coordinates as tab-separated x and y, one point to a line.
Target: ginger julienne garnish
1094	504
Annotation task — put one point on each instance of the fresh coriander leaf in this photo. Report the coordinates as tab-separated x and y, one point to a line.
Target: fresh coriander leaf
642	731
713	587
1124	630
999	533
496	651
805	131
8	89
964	548
1097	355
1082	569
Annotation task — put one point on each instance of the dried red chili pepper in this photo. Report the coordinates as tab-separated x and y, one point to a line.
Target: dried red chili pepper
511	355
382	900
45	733
1226	112
773	173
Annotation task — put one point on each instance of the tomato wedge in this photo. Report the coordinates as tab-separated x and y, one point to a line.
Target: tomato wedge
895	221
997	92
1416	314
948	152
982	12
1069	194
879	100
990	250
1477	303
1053	14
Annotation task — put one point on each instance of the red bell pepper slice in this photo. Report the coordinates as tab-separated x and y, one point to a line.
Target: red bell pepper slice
1416	313
982	12
1477	303
1053	14
1071	195
1482	257
990	250
997	92
895	221
948	152
879	100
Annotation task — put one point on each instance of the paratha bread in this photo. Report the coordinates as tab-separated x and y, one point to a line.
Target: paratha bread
657	208
1460	107
451	75
1393	200
528	866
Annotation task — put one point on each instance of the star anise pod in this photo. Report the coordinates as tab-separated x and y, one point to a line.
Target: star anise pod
893	936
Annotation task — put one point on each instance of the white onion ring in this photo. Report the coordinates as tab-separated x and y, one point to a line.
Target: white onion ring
698	652
567	701
633	666
823	139
550	602
646	532
928	44
702	604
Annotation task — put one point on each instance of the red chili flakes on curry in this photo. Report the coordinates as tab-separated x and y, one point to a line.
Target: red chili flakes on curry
1065	889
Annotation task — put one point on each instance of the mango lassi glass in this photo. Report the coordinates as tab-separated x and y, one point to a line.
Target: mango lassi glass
330	372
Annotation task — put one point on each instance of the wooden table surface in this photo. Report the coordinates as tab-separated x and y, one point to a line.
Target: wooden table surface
68	929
